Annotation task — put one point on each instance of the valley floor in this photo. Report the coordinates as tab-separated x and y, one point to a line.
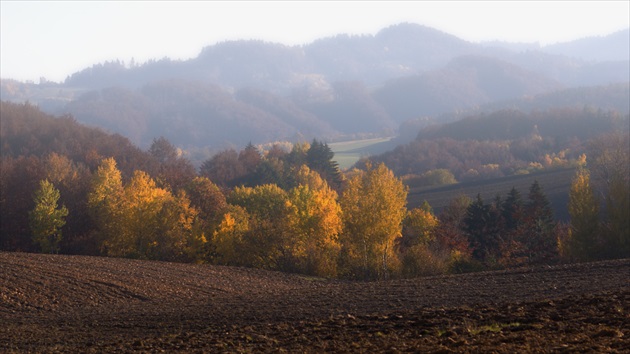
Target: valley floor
52	303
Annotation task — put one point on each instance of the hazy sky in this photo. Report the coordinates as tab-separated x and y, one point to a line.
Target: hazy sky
54	39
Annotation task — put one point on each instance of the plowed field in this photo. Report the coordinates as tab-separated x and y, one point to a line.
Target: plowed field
51	303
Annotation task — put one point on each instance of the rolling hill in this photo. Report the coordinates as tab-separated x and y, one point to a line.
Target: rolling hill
237	92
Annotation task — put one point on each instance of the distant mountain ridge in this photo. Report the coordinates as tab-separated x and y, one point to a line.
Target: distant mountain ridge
237	92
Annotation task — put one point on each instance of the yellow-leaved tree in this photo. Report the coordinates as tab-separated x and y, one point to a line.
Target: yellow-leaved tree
374	207
105	201
267	238
230	240
315	225
420	253
142	220
581	243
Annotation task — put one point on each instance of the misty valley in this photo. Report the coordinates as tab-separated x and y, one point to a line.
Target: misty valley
408	160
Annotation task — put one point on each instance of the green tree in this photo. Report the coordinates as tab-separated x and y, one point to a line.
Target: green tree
46	218
584	212
373	205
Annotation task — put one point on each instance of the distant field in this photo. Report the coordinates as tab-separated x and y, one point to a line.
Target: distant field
555	184
347	153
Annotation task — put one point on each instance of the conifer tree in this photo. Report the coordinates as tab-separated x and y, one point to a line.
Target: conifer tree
481	225
539	229
319	157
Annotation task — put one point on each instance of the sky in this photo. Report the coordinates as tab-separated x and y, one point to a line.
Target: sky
53	39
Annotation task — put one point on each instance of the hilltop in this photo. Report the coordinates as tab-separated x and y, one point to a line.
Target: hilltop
335	88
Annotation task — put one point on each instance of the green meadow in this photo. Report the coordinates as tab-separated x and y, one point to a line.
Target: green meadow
347	153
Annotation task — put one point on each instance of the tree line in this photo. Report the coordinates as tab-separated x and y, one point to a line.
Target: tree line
288	210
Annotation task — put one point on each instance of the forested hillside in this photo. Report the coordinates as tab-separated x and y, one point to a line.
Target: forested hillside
504	142
72	189
337	88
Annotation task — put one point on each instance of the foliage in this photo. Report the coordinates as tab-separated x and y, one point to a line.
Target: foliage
503	143
482	227
373	205
267	238
610	165
584	210
319	157
281	214
315	224
47	219
142	220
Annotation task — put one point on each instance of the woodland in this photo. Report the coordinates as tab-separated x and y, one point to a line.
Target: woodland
393	83
224	158
72	189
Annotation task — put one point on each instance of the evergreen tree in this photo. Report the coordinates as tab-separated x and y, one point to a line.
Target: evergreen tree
319	157
539	229
481	225
512	209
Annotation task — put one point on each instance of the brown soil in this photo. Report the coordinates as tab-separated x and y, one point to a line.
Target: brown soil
88	304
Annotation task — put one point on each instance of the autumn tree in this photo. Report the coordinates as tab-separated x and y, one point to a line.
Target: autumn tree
173	171
73	181
315	224
209	201
20	178
224	168
610	166
181	236
249	158
105	200
267	208
231	240
450	235
420	253
142	220
584	212
373	205
47	218
418	225
139	222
